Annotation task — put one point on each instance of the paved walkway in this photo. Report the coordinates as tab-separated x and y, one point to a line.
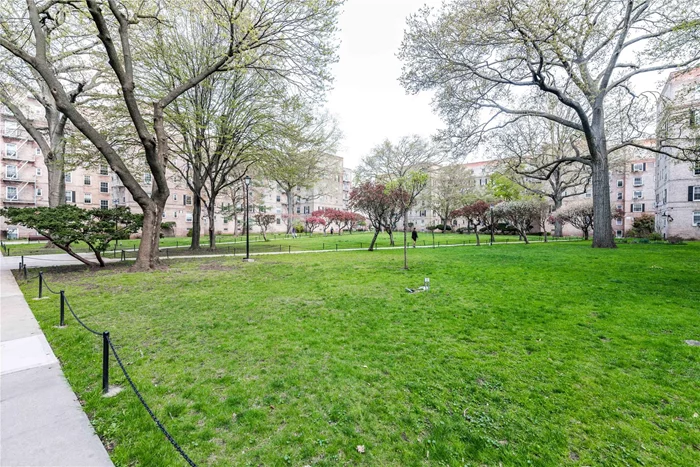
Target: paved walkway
42	421
63	259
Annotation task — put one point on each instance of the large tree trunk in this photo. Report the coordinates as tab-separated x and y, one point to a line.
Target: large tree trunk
558	225
57	179
196	220
148	257
374	239
603	236
602	214
290	211
211	208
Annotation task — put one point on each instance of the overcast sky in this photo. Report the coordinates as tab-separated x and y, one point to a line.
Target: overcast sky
368	101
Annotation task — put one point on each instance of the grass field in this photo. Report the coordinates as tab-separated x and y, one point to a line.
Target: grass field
519	355
275	242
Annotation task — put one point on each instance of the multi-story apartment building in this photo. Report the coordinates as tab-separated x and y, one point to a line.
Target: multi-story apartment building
25	183
678	183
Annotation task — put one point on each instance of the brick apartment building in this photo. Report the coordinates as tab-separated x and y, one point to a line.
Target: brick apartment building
25	183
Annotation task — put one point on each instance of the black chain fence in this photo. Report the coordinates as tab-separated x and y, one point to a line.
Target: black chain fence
107	347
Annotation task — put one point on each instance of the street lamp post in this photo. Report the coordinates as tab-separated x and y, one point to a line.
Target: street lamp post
247	258
491	209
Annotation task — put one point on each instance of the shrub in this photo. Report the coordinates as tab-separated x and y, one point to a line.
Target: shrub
462	230
655	237
189	233
674	240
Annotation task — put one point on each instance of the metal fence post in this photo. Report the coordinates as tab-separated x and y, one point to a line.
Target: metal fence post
290	248
63	309
336	247
25	272
21	264
105	362
41	283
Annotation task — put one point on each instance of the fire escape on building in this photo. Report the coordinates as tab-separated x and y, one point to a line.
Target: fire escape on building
20	189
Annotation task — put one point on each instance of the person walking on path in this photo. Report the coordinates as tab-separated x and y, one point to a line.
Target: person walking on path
414	237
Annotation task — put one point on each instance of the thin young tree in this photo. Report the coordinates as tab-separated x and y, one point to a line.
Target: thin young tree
217	129
448	189
404	168
297	157
492	62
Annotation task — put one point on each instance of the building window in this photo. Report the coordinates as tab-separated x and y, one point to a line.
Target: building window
11	192
88	198
11	150
298	210
693	118
104	187
307	209
638	181
619	195
38	192
423	213
638	167
174	196
163	214
11	128
278	198
618	233
638	207
11	172
70	196
87	180
620	183
38	171
69	177
188	217
619	207
637	194
588	195
186	200
147	178
696	218
278	220
104	169
696	169
618	221
695	194
37	151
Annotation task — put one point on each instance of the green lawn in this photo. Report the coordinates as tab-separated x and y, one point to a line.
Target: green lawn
543	355
275	242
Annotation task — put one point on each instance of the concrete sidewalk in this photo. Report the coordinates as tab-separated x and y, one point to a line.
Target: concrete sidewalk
42	421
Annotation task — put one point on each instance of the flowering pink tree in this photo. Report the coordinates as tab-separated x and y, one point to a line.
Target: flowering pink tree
354	220
312	222
475	213
327	215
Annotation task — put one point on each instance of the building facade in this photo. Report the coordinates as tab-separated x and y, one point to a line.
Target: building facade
678	182
25	183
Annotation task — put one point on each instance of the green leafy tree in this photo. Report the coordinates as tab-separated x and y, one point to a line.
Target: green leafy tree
66	224
575	63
